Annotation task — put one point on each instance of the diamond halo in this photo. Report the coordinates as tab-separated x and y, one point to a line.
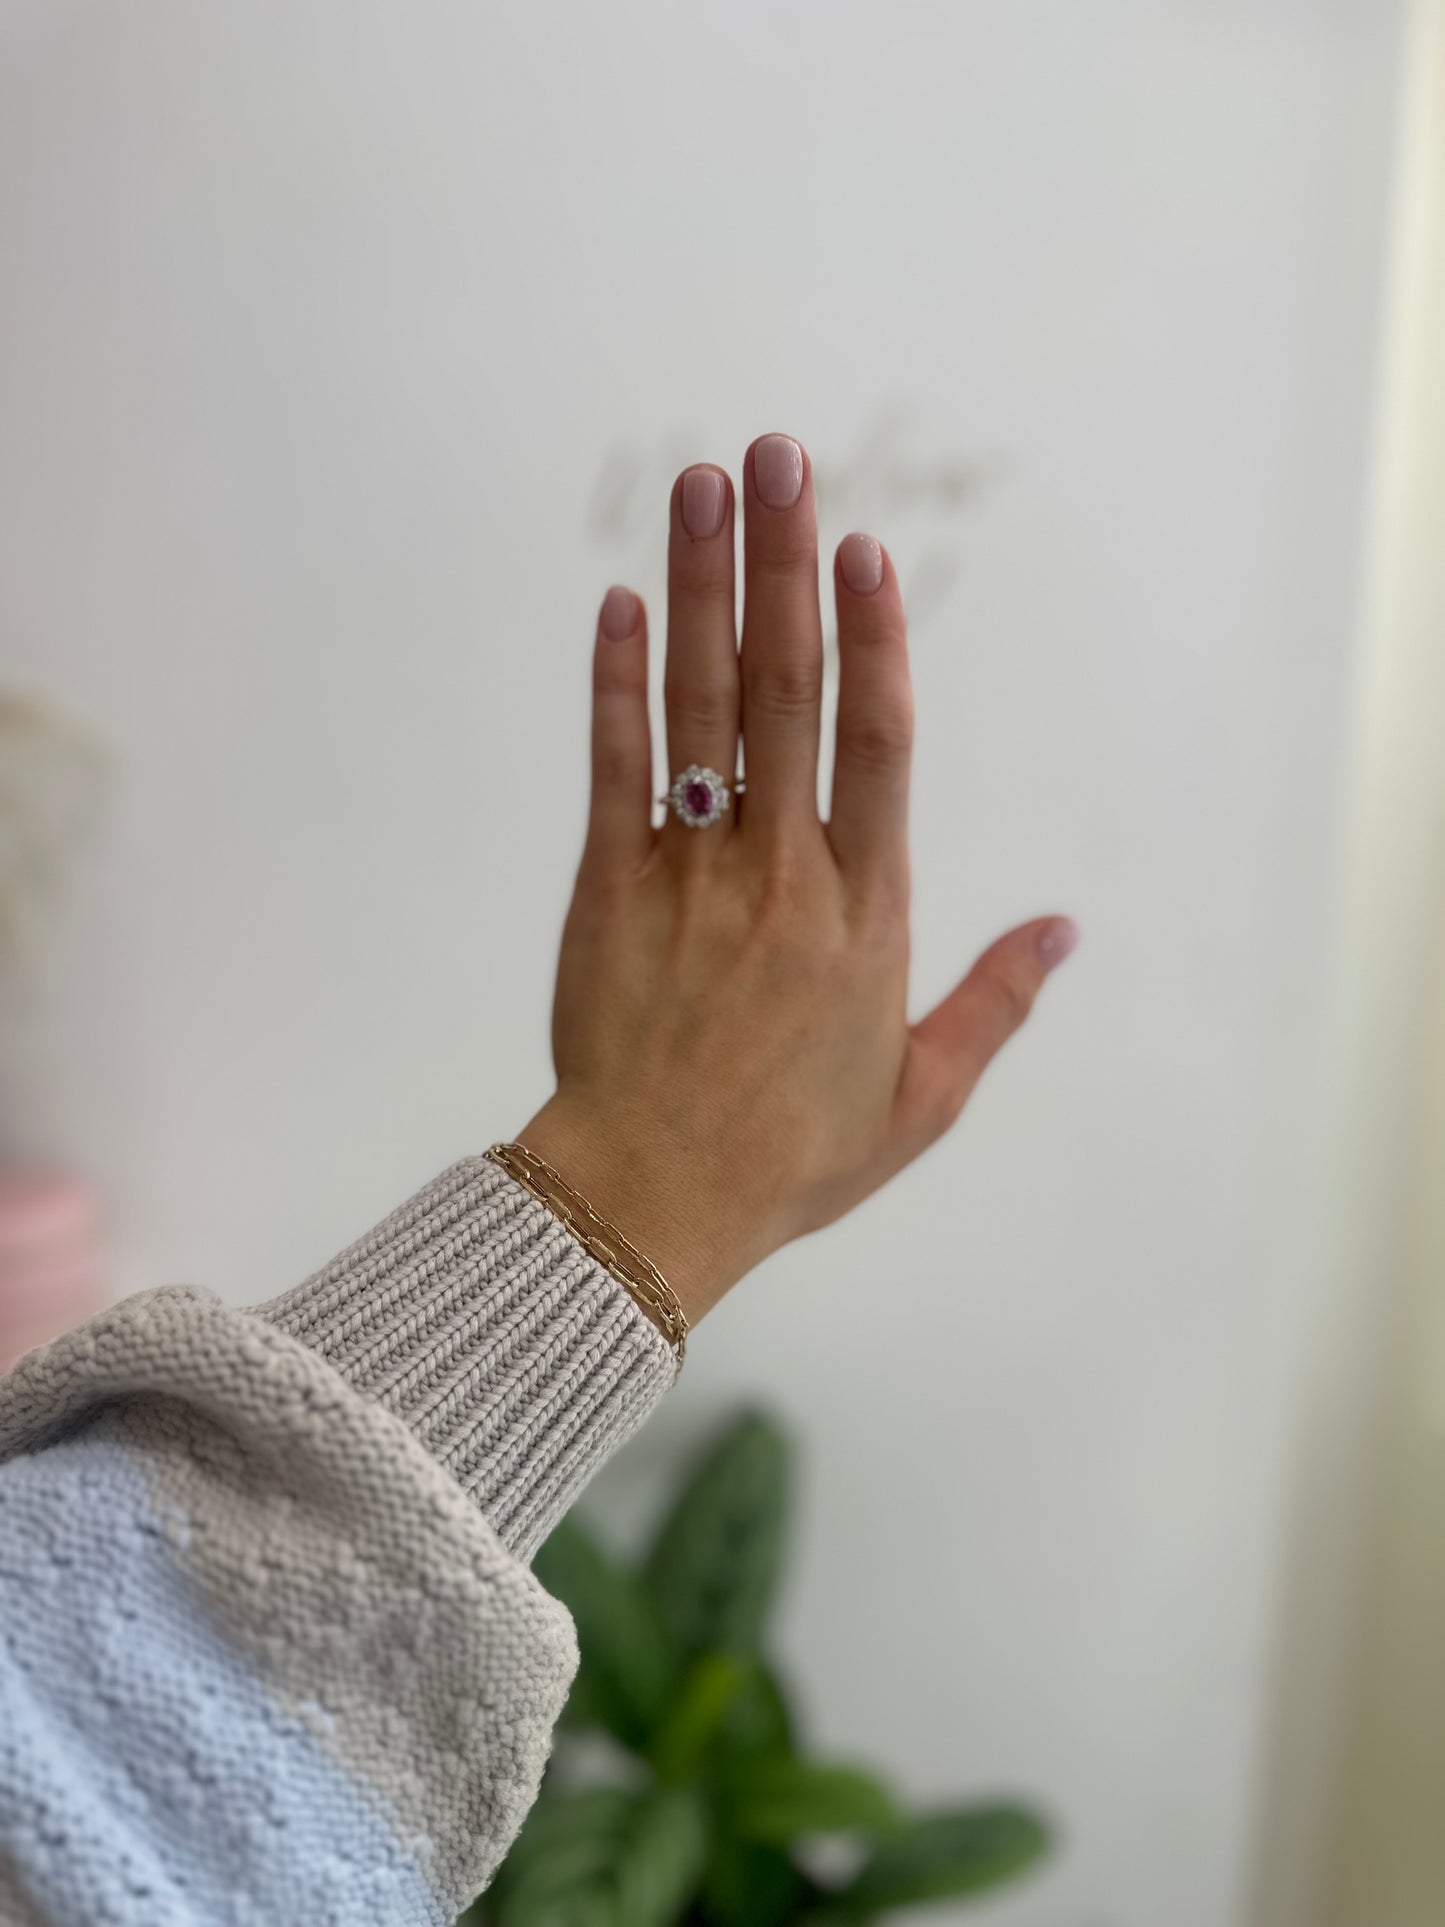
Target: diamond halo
698	796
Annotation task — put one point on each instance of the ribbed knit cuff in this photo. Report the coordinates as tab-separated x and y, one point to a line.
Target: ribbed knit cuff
476	1317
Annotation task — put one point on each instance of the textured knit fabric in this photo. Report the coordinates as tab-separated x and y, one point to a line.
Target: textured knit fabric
475	1316
269	1645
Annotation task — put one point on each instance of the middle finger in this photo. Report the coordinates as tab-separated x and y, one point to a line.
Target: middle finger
782	650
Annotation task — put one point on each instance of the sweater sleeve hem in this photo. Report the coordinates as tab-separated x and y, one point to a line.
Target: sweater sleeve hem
476	1317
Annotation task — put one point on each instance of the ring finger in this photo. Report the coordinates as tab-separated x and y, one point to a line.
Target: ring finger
701	690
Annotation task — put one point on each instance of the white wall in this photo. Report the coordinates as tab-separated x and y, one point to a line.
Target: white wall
332	334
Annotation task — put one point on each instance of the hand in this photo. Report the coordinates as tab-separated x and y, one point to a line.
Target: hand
735	1065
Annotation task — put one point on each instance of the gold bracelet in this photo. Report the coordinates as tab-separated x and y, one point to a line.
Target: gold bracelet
618	1255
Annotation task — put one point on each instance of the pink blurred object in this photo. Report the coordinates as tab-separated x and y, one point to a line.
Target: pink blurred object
52	1259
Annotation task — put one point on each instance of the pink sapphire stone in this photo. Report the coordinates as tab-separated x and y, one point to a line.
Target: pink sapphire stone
697	798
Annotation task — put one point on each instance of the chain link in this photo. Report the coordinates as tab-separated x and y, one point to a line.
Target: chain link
602	1240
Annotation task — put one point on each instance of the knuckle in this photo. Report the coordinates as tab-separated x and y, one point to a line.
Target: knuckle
882	906
777	908
1012	991
783	886
936	1107
613	766
780	554
708	707
881	738
783	685
619	671
703	575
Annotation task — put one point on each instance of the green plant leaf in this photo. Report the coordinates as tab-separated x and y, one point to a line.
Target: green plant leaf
777	1799
747	1885
708	1690
604	1858
667	1852
942	1855
714	1567
567	1838
759	1718
629	1665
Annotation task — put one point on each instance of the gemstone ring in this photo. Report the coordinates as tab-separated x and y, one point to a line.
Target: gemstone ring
699	796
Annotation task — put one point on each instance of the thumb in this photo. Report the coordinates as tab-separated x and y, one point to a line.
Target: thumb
950	1048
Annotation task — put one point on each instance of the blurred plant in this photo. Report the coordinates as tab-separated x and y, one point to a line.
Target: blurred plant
712	1814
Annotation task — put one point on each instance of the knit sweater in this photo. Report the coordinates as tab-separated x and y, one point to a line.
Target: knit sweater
270	1647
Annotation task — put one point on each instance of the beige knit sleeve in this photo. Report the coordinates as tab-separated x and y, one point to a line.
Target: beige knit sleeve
313	1521
475	1317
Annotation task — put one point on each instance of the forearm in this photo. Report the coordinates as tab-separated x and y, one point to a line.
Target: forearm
270	1628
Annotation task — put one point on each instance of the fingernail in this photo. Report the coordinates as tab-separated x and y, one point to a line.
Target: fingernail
1057	941
862	563
704	497
778	471
619	613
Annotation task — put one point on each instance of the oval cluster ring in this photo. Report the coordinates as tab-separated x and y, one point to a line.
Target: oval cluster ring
699	797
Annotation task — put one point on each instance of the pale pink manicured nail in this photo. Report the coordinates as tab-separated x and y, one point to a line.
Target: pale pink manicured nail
778	471
619	613
862	563
1057	941
704	497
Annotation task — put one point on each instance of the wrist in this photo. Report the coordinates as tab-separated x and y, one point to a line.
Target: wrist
647	1191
